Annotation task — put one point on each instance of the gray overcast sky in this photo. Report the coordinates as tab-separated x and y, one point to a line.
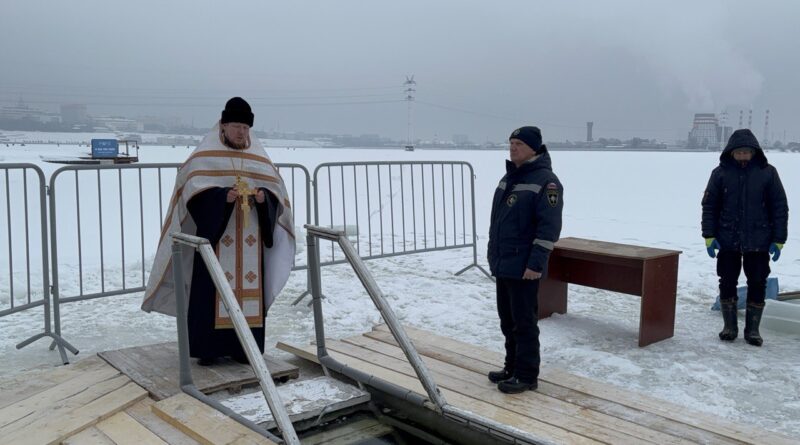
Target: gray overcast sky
635	68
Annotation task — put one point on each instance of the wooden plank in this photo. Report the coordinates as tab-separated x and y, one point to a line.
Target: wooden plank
487	410
89	436
54	429
156	368
532	403
205	424
631	399
125	430
60	398
350	433
143	413
577	398
29	383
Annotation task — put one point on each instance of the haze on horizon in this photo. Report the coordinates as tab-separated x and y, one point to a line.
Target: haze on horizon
483	68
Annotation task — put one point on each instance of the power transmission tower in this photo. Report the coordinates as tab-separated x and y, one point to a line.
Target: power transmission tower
410	89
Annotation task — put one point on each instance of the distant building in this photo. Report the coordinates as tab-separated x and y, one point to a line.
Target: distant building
118	124
461	139
706	133
589	126
74	114
20	112
177	140
159	123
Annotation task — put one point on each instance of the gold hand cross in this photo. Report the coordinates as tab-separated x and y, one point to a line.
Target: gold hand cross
245	192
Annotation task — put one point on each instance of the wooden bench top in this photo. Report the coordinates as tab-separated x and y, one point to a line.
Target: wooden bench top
566	246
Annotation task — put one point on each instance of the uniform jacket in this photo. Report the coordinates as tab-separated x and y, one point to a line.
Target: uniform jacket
526	218
745	208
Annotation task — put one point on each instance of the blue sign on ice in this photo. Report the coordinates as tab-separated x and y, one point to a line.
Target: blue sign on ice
105	148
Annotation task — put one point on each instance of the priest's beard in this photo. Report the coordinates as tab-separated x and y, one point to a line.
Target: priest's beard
234	145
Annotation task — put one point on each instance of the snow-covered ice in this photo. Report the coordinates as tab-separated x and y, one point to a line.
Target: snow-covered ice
650	199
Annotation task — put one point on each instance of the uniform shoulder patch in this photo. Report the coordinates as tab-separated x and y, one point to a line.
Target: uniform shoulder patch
512	199
552	194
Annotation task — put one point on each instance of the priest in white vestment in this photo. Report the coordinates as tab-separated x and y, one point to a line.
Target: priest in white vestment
229	192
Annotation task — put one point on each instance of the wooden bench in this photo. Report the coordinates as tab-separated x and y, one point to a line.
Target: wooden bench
649	273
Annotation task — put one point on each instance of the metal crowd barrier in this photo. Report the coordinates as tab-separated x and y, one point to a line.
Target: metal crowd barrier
106	223
103	227
397	208
26	240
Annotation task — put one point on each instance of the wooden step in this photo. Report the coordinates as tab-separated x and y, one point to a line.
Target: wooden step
156	368
134	426
205	424
89	436
123	429
143	413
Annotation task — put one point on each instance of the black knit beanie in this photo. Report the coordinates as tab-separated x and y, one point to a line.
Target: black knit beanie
237	110
531	136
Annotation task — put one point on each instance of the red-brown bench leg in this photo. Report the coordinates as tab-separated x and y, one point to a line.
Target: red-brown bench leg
552	297
659	289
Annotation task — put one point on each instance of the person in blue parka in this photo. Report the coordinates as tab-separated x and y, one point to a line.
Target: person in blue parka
745	218
525	224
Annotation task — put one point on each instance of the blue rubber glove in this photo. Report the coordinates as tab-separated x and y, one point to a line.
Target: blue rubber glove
775	250
711	246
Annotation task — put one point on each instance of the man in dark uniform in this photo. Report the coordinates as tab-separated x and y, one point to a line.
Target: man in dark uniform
525	224
745	217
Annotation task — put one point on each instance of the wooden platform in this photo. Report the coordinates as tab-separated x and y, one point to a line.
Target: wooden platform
566	408
155	368
91	402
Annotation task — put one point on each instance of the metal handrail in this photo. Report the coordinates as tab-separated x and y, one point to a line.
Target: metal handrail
243	332
380	302
440	405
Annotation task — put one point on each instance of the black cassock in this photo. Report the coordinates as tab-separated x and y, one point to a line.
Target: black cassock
211	212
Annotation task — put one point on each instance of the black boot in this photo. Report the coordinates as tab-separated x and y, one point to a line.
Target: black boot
731	329
515	386
751	321
207	361
499	376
